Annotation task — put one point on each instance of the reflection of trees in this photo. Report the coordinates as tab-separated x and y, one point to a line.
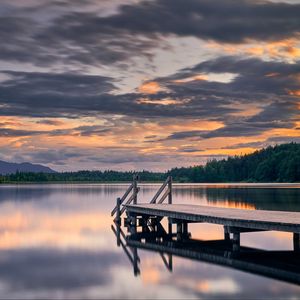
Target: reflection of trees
16	193
260	198
42	192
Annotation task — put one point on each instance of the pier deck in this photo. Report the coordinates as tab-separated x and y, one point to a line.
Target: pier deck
251	219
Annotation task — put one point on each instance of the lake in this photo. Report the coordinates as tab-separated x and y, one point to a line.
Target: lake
56	241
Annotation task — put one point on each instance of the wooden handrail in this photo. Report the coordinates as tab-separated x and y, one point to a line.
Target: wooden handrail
123	198
129	201
168	183
159	191
161	200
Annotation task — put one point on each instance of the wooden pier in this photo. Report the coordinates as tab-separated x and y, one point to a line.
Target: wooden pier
234	221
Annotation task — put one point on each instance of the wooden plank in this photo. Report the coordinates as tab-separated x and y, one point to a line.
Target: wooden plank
255	219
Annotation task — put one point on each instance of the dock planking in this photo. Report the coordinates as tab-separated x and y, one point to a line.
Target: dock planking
251	219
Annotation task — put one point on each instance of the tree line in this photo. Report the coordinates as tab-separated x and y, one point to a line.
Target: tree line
280	163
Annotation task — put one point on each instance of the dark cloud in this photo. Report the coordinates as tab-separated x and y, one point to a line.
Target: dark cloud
270	141
65	95
71	95
50	122
7	132
76	36
93	130
252	86
252	79
237	129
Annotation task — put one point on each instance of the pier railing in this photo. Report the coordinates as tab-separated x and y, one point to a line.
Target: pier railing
130	196
131	192
167	189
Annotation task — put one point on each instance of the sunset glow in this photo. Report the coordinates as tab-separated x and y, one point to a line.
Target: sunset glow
87	87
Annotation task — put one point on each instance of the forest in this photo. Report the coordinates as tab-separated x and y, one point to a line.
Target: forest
280	163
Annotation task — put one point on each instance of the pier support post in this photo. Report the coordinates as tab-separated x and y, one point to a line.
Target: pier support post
296	241
236	241
185	230
170	229
179	231
226	233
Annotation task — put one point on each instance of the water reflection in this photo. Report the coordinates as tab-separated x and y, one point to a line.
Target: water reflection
56	242
282	265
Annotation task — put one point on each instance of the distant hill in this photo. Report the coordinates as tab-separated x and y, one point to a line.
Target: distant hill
11	168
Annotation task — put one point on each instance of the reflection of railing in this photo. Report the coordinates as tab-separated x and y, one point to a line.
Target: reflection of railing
131	252
282	265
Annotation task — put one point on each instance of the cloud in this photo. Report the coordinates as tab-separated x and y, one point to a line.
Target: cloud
71	95
50	122
75	34
64	95
8	132
252	86
270	141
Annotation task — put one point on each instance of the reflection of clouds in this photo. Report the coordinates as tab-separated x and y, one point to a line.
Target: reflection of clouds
129	287
211	281
269	240
55	272
36	228
222	286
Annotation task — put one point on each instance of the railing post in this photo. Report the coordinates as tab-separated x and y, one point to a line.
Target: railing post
135	189
170	190
118	214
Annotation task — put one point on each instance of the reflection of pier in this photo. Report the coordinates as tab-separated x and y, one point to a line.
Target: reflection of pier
282	265
146	231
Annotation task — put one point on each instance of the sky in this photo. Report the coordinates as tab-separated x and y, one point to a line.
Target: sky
146	84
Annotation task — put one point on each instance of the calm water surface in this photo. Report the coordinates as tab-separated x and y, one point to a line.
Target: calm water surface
56	242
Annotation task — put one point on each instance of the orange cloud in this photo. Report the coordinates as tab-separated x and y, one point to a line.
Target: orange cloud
162	101
287	49
150	87
192	78
294	93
